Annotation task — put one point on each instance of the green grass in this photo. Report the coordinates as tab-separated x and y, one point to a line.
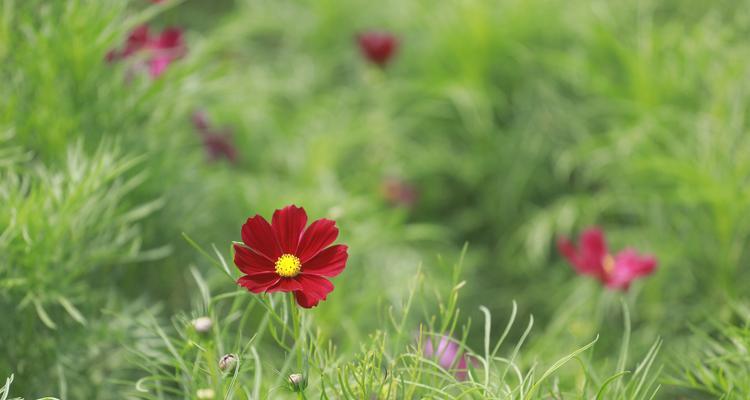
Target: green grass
516	121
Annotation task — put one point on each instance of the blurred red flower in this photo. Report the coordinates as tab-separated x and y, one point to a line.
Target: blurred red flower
377	47
592	257
399	193
159	50
217	143
283	256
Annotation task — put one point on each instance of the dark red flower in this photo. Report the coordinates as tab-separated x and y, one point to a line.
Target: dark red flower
377	47
166	48
159	51
283	256
217	143
399	193
592	257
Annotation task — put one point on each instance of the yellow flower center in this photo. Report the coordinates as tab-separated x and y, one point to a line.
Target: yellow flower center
608	263
288	265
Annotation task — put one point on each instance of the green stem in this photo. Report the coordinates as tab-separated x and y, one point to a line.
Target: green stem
298	341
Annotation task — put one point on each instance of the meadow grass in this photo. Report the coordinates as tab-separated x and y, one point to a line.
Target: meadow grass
514	121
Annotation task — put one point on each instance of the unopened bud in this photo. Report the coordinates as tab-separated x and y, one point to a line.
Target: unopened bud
227	362
205	394
297	382
202	324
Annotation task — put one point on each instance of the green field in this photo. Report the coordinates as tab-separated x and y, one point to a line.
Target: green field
452	165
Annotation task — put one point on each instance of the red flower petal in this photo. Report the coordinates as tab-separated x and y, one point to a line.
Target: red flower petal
304	300
317	236
567	249
137	40
588	257
593	248
170	38
258	235
259	283
158	65
251	263
629	265
315	287
329	262
286	285
288	224
377	47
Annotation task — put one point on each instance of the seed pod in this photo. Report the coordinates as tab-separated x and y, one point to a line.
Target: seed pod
297	382
202	324
227	362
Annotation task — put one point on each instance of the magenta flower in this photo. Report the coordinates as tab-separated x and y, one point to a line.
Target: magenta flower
158	51
399	193
166	48
448	355
217	143
592	257
377	47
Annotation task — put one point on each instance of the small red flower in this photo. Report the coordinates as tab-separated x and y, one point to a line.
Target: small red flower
399	193
160	50
283	256
217	143
377	47
593	258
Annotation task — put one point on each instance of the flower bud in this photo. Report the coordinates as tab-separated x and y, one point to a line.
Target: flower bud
202	324
205	394
297	382
227	362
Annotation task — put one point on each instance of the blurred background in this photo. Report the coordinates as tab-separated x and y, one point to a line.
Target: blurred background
496	124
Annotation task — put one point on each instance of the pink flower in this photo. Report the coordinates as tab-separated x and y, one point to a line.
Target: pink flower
217	143
399	193
592	257
159	51
377	47
448	355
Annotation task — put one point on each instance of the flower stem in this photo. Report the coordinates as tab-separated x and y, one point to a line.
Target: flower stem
296	329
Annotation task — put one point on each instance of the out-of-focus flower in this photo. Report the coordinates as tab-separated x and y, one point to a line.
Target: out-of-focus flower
377	47
592	257
283	256
297	382
205	394
217	143
167	47
399	193
227	362
158	50
448	355
202	324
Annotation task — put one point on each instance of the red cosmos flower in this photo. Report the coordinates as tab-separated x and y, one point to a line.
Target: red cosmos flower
217	143
283	256
160	50
377	47
593	258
